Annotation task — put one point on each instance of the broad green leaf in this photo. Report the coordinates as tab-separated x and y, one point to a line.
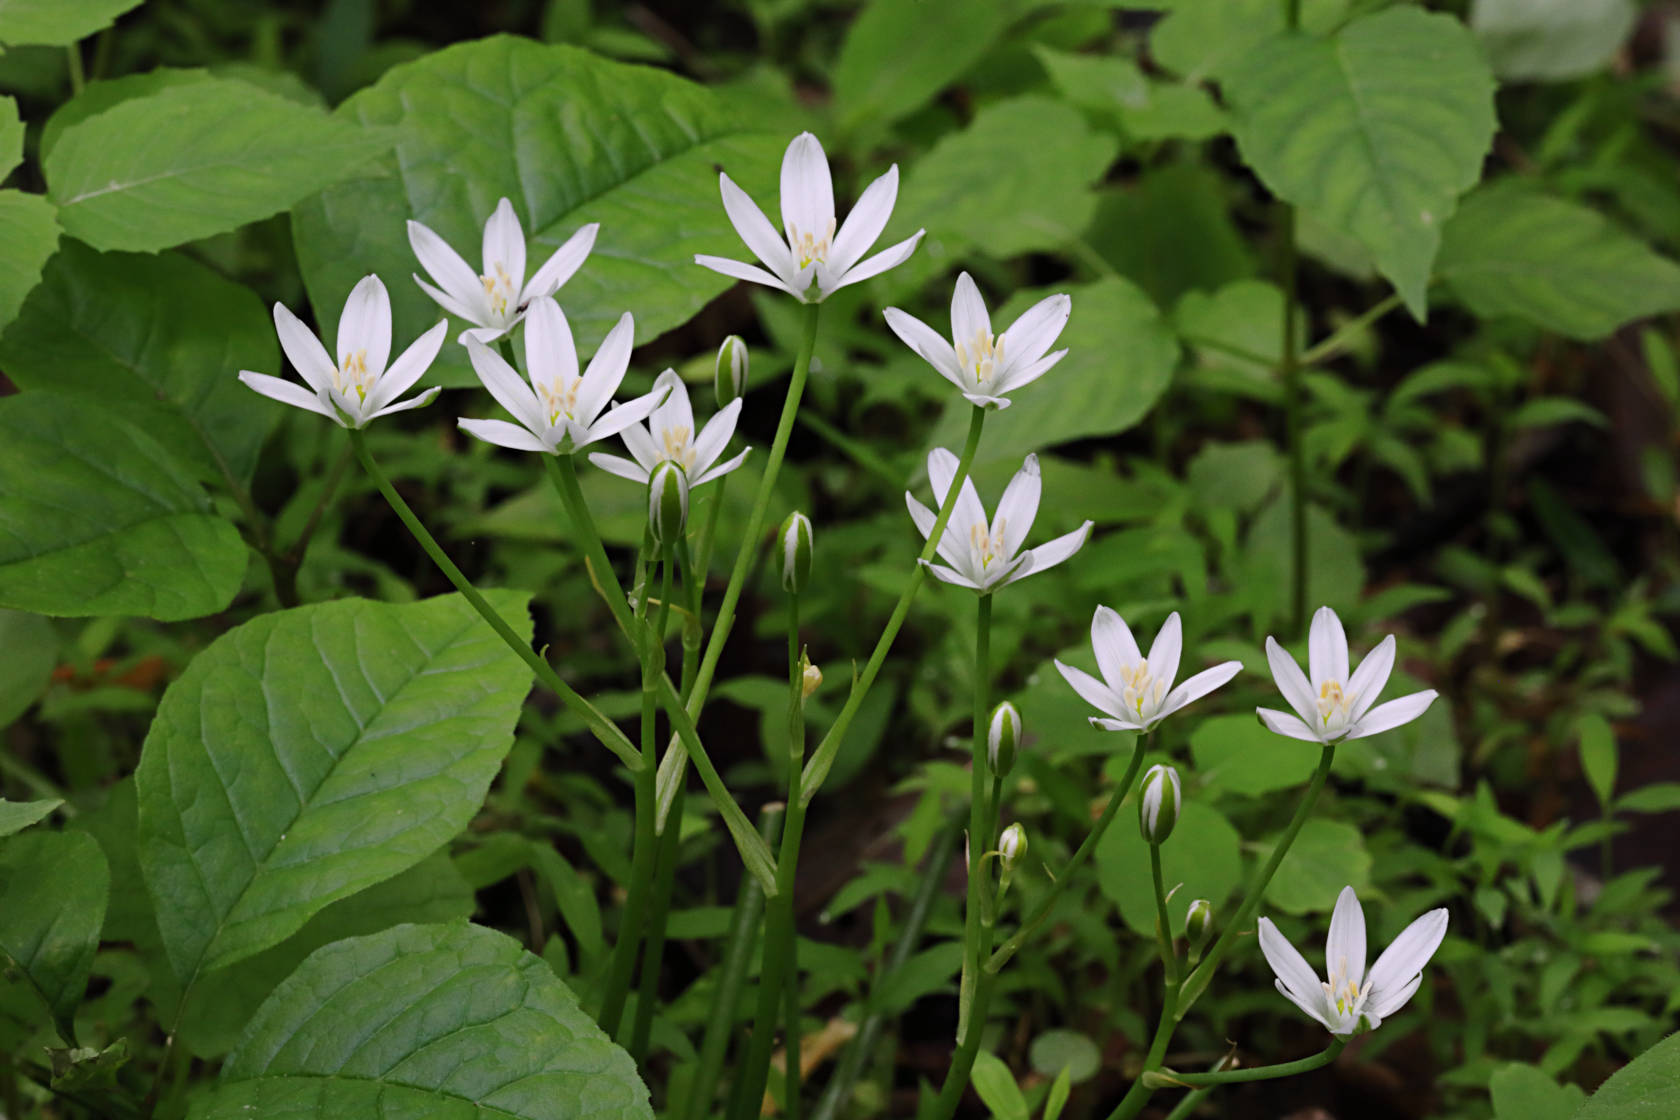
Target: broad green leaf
1326	856
96	518
995	1085
1236	335
31	650
1551	40
52	903
1375	133
1058	1051
1120	359
1335	575
15	816
570	138
1522	1092
1239	476
56	23
224	1001
445	1022
1556	264
1658	797
11	136
1170	230
1598	755
28	236
311	753
161	337
978	186
96	97
897	56
1236	754
1647	1088
192	160
1202	854
1198	39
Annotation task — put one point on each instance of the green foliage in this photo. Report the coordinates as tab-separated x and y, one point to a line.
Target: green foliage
55	22
1646	1089
52	903
1201	860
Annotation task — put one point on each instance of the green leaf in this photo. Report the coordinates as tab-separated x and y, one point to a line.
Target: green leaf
52	902
1170	230
1335	575
1058	1051
311	753
161	337
56	23
1326	856
1236	335
1522	1092
1057	1098
31	646
931	970
1199	39
192	160
1558	265
1120	359
1658	797
570	138
96	97
1236	754
28	236
1598	755
1375	133
974	185
15	816
1647	1088
11	136
96	518
1551	40
447	1022
897	56
1202	854
995	1086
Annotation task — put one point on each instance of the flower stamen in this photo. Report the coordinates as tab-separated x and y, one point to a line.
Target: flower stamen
499	288
808	247
559	399
677	447
981	356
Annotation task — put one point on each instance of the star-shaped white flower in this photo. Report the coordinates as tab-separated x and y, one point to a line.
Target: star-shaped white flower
1332	705
558	411
982	555
1137	692
669	437
986	368
1352	1001
358	387
815	260
496	299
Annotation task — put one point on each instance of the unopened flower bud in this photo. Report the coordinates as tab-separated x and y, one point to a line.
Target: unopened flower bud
667	503
793	553
1158	807
1198	926
1002	737
731	379
1012	845
810	680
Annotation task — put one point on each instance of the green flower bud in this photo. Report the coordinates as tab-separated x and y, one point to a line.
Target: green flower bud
810	679
1158	806
1002	738
1198	927
1012	845
731	376
667	503
793	553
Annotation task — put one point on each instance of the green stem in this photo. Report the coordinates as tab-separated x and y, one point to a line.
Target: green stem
1163	925
976	987
1187	1106
1290	373
1132	1103
603	728
823	759
1084	852
1342	335
1197	981
795	766
1166	1078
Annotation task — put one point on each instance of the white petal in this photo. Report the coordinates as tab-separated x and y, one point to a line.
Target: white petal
741	271
449	303
1367	681
714	437
451	273
1404	960
550	351
865	223
621	418
1281	724
1327	651
623	468
641	446
985	400
502	434
304	350
1344	951
676	413
755	229
1290	967
1121	724
606	370
1091	690
949	543
1017	377
956	579
408	367
927	342
890	257
1385	717
807	189
287	392
1313	1007
562	264
509	389
1166	649
1296	691
1391	1001
942	470
723	468
1018	507
419	400
1115	647
969	320
1031	335
504	244
366	324
1052	552
486	335
1197	687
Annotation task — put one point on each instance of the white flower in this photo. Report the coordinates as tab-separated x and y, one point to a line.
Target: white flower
498	298
985	556
984	367
559	411
814	255
358	387
1137	692
1352	1001
1333	705
669	437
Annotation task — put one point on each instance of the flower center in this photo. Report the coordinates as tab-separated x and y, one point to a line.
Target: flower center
559	399
353	376
1344	995
807	247
499	287
1334	705
987	546
678	449
981	356
1141	692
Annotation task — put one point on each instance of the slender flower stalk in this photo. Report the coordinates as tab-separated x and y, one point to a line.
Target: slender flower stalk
1136	692
1332	704
987	368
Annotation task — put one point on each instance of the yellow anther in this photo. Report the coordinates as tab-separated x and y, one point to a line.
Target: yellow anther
499	288
808	247
559	399
678	449
353	375
982	355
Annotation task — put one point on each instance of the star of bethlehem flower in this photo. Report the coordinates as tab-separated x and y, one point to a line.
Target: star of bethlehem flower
497	298
982	555
670	437
987	368
1351	1000
1331	704
358	387
558	411
815	260
1137	692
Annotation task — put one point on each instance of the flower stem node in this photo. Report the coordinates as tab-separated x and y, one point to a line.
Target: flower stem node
667	504
1002	738
1158	807
730	381
793	553
1198	927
